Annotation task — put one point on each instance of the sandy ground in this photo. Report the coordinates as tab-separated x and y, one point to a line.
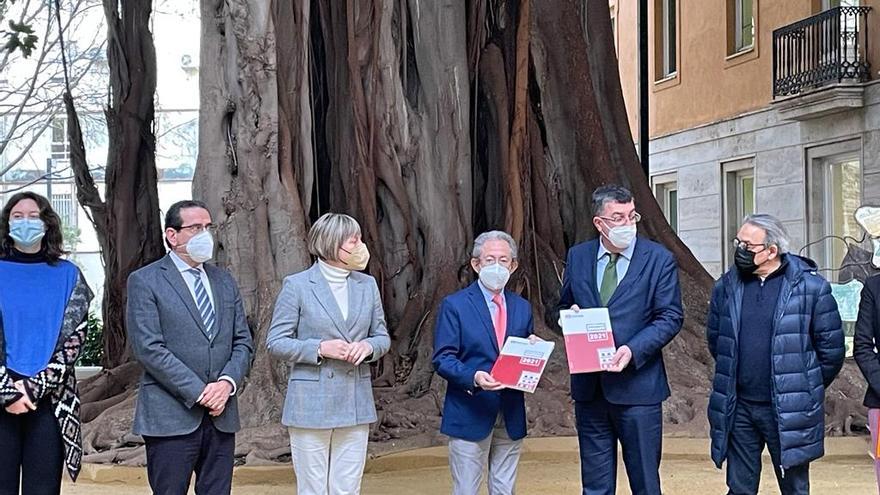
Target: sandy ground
549	466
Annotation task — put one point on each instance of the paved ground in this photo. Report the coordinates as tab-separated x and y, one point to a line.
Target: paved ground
549	466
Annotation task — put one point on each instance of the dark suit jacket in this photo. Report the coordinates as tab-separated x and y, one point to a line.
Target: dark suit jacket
645	312
168	337
866	338
464	343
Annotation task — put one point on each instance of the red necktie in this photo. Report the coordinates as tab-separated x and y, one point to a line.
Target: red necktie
500	320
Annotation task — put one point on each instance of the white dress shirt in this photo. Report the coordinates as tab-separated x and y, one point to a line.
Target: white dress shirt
622	262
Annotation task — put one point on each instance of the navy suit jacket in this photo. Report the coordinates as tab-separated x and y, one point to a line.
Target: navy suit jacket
645	315
464	343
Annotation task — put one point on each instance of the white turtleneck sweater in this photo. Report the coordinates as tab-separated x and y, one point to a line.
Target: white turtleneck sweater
337	278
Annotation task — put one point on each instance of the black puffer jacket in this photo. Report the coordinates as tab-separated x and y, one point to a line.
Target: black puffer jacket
806	352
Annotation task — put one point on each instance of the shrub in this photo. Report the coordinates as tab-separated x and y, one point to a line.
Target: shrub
93	350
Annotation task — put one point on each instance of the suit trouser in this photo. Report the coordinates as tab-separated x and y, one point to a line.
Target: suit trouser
497	451
329	461
754	424
207	451
639	429
31	452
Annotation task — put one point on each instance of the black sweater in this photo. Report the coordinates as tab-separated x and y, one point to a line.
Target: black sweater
759	303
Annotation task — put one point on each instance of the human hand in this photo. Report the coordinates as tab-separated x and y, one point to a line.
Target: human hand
621	359
534	339
335	349
27	398
18	407
486	381
215	395
574	307
358	351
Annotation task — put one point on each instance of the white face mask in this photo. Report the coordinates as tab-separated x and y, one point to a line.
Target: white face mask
621	237
201	247
494	276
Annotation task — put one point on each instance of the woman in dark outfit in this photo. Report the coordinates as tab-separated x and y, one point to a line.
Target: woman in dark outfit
44	302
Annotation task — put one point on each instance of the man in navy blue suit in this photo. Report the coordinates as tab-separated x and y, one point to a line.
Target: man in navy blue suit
485	422
637	280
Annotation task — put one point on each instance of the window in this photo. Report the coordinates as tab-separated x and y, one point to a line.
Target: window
666	192
835	194
60	145
665	42
830	4
739	200
64	205
740	25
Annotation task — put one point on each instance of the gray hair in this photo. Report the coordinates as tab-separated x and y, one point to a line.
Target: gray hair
612	193
329	233
493	235
774	231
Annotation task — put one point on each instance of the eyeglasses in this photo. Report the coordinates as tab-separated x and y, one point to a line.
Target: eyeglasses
199	228
620	219
748	246
491	260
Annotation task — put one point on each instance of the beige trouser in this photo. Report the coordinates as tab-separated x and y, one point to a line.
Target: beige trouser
329	462
498	452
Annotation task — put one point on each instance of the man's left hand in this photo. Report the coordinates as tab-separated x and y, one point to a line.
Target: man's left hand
216	394
534	339
621	359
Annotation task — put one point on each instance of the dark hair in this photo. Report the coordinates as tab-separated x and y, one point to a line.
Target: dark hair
53	245
172	218
608	194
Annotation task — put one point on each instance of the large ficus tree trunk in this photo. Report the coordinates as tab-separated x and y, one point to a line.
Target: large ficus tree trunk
134	229
429	121
127	219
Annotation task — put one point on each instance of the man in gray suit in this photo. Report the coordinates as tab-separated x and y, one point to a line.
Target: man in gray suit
187	327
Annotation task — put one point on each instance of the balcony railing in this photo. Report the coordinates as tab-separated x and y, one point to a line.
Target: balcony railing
829	47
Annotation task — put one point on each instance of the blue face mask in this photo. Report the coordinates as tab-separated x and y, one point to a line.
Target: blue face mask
26	231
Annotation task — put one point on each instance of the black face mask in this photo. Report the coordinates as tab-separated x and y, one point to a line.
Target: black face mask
745	260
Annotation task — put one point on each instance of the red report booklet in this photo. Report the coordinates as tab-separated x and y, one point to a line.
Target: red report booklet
521	363
589	342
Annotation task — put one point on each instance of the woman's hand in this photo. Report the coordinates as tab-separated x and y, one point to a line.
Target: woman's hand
359	351
335	349
23	404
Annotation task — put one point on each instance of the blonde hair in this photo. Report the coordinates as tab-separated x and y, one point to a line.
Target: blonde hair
329	233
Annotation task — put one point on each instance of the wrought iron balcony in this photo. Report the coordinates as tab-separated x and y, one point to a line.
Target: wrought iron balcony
829	47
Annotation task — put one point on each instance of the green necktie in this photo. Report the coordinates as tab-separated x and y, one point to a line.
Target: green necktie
609	279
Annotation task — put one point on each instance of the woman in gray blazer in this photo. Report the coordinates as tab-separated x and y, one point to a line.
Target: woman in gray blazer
328	325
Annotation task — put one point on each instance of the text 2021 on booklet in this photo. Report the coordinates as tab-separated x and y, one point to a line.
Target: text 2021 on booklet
520	364
589	342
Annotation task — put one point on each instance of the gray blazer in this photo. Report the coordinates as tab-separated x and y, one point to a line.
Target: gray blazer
168	337
328	393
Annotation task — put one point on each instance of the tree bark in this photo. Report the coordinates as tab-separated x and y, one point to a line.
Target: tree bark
429	121
133	230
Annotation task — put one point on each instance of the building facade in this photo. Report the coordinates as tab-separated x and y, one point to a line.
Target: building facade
759	106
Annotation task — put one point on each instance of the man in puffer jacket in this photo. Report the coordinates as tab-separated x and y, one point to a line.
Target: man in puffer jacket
776	337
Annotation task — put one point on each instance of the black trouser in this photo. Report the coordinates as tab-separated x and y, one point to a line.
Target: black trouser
208	452
754	425
639	429
31	452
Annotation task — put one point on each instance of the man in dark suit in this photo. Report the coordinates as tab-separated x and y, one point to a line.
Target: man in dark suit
485	422
187	327
636	279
